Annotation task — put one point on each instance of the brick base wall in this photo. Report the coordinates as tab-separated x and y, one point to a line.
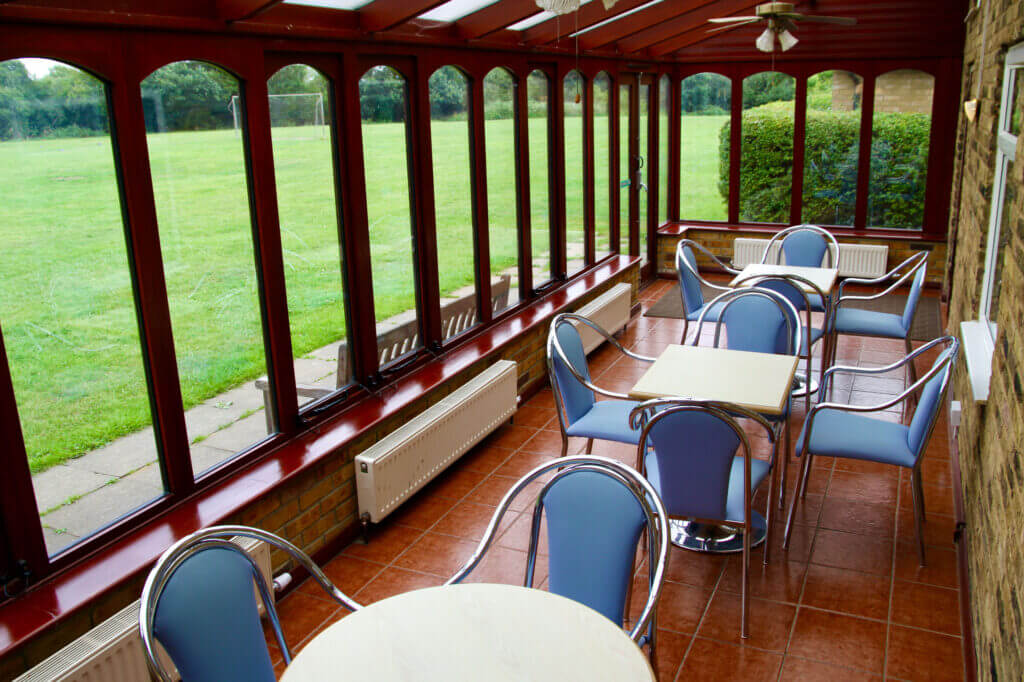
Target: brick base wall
991	436
719	242
317	509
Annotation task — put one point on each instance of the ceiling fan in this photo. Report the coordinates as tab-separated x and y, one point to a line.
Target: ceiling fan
781	19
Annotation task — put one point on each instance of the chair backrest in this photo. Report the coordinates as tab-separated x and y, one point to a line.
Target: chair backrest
571	395
694	446
689	282
594	525
806	246
199	603
927	410
596	508
207	619
757	320
914	295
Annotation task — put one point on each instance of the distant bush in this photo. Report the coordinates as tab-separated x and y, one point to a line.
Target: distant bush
899	162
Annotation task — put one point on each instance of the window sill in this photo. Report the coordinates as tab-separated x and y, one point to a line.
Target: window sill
76	587
978	349
681	228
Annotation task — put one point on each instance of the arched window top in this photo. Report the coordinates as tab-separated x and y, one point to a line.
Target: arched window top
382	96
450	71
190	95
382	73
295	77
835	90
66	100
705	93
449	92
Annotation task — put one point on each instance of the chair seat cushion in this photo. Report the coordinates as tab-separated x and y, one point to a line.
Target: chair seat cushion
607	420
711	316
869	323
817	305
816	334
836	433
759	470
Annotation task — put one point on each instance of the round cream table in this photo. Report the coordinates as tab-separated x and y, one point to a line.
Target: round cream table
472	632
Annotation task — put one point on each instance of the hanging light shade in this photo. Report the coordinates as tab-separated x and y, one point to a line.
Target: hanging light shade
559	6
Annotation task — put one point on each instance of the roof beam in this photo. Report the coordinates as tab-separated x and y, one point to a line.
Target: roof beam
695	19
634	23
592	13
239	10
381	15
495	17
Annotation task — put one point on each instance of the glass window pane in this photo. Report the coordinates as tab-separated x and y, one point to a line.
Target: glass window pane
453	206
539	101
900	135
502	217
602	163
625	180
832	147
645	174
573	86
383	101
1006	210
193	117
766	161
300	127
67	305
664	98
705	101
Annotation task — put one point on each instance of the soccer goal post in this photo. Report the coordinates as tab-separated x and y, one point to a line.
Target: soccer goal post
294	110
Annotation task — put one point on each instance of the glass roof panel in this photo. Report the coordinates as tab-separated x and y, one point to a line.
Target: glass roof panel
617	17
334	4
532	21
453	10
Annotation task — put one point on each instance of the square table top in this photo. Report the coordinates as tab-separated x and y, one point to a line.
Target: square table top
823	278
756	381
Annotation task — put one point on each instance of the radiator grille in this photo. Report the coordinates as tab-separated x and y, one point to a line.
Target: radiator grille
855	260
610	310
408	458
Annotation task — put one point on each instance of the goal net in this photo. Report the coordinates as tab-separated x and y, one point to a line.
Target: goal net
299	110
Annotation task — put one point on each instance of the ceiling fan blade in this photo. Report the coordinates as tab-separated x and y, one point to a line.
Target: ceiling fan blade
843	21
751	20
729	20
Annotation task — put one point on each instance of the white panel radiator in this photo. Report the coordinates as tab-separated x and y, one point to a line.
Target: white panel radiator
112	651
610	310
855	260
405	460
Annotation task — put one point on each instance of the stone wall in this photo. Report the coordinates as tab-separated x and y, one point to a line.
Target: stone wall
904	91
991	436
317	509
719	242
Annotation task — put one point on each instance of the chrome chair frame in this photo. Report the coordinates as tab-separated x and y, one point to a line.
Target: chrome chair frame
832	246
681	262
651	412
916	489
796	281
554	347
795	337
901	273
645	628
220	537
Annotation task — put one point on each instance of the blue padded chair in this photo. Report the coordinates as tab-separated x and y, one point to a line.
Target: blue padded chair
597	509
579	413
838	430
859	322
761	321
799	291
688	453
690	283
199	603
806	246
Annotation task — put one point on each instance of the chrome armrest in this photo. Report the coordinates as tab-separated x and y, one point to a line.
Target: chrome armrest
911	265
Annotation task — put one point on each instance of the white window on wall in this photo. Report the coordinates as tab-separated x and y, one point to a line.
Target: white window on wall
979	336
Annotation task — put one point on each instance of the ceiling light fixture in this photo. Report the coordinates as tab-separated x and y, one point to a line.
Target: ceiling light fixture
559	6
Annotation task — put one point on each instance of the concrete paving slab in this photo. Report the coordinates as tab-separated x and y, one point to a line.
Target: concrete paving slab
55	485
240	435
56	541
122	456
238	401
204	457
328	352
101	507
205	419
308	370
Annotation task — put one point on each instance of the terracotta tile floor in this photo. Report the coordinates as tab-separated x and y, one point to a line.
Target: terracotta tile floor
847	601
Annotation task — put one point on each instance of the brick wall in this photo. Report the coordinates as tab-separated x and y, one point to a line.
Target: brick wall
991	437
904	91
318	507
719	242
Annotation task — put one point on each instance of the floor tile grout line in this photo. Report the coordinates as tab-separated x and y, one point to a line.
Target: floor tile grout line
703	615
892	589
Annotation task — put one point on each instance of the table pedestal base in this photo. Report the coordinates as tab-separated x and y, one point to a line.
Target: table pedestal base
714	539
801	386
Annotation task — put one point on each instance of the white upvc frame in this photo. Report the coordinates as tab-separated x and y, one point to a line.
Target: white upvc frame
979	336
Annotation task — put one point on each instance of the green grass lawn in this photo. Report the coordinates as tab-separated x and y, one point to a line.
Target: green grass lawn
66	306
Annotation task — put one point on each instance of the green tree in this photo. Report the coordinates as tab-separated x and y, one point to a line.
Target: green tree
188	95
448	92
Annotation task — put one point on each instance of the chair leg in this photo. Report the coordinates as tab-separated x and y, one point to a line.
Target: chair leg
590	445
916	478
918	513
748	528
806	476
770	515
565	444
796	499
912	370
787	448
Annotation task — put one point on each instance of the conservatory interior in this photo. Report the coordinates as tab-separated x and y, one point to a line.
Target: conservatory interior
335	274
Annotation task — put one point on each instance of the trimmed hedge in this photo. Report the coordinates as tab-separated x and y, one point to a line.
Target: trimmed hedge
899	163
